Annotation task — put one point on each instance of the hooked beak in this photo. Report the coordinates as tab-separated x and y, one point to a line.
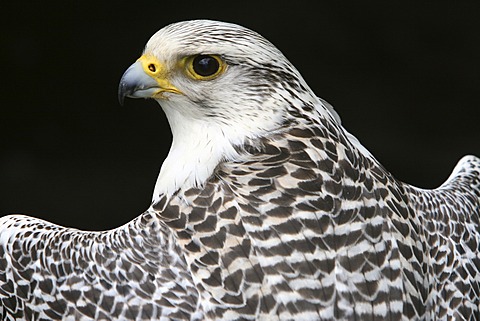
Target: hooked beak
146	78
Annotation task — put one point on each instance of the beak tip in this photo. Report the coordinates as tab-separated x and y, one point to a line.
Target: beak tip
121	93
134	82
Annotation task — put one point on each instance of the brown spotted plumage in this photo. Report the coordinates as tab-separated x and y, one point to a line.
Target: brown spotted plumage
309	234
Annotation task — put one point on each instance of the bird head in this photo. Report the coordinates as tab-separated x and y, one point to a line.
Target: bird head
219	72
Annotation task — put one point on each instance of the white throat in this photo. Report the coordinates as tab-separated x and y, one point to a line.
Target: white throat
198	146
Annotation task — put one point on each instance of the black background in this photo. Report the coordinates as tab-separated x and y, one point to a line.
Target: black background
404	78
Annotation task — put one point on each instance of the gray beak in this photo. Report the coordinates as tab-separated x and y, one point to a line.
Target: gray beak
135	83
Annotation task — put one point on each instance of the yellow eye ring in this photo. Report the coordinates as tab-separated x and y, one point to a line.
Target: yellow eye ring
205	67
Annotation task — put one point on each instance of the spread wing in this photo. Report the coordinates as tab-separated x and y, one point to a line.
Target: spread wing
131	273
449	218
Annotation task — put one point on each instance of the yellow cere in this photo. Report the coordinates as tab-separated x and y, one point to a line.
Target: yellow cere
155	69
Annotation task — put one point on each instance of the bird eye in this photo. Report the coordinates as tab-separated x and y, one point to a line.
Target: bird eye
205	67
152	67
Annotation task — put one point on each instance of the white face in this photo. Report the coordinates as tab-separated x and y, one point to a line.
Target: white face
222	72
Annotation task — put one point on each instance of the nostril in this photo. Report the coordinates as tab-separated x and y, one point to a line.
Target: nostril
152	67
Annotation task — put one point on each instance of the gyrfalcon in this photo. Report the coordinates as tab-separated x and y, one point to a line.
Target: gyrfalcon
265	208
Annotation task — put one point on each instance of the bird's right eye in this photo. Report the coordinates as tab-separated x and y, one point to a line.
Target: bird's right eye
205	67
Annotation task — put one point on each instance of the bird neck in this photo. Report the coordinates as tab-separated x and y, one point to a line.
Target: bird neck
198	146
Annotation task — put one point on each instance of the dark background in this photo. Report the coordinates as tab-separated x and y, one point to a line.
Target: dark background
404	78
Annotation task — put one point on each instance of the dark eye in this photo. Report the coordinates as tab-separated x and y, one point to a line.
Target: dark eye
205	65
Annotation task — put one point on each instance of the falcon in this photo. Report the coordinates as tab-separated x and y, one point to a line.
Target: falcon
265	208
